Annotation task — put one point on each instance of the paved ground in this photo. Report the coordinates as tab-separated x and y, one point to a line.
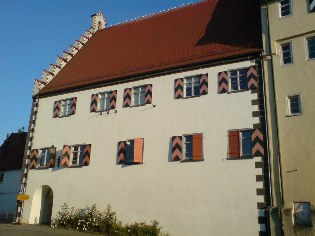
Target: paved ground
37	230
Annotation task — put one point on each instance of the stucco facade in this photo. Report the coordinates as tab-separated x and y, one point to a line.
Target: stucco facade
199	195
292	134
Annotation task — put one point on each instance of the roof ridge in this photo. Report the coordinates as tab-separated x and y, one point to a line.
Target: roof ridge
161	12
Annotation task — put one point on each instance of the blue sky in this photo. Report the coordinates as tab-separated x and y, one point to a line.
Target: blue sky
34	32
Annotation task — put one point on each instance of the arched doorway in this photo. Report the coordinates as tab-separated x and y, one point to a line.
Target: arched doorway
42	205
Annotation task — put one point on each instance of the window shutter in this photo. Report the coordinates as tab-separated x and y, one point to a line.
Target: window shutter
252	77
234	144
87	155
223	82
74	106
177	144
57	107
179	88
66	152
52	157
138	150
94	99
257	143
34	156
121	152
204	84
127	97
197	147
113	98
148	94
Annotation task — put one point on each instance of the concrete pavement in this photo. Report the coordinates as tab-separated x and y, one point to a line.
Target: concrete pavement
37	230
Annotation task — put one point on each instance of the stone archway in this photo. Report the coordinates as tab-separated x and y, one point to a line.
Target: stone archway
42	206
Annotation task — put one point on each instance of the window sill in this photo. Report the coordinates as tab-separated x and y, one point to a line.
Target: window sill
42	168
64	116
286	65
283	17
237	91
295	114
190	160
75	166
240	158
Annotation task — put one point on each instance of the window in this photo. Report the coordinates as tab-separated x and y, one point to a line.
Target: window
66	107
294	105
187	148
104	101
77	155
284	8
310	47
1	177
44	157
192	86
238	80
138	95
130	151
240	144
302	215
311	5
286	54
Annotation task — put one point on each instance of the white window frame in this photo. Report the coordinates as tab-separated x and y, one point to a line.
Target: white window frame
79	152
141	91
281	52
1	177
46	157
307	48
310	3
279	9
66	107
193	79
289	105
106	98
238	80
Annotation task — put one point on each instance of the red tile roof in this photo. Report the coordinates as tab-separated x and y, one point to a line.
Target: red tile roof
12	152
203	32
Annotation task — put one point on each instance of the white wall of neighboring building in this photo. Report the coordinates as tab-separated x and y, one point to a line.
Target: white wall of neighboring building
215	195
9	191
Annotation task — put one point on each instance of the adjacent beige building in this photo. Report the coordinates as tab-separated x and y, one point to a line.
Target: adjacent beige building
289	67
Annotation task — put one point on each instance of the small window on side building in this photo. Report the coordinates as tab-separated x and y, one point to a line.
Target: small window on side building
1	177
302	215
310	47
285	8
286	54
44	157
311	5
294	105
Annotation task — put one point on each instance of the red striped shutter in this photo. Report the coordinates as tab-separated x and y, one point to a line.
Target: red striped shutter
179	88
138	150
127	97
87	155
234	144
113	98
223	82
121	152
148	94
94	100
34	156
66	152
252	76
57	108
204	84
177	144
197	147
74	106
52	157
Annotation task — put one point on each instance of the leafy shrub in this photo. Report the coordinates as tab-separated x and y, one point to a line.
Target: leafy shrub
92	220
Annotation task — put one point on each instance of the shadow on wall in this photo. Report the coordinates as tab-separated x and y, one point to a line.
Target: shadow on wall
234	23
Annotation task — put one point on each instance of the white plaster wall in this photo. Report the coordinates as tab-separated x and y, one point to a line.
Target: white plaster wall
9	190
196	198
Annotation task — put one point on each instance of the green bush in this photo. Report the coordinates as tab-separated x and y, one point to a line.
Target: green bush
89	219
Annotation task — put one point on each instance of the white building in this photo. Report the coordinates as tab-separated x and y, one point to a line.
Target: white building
162	118
11	159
